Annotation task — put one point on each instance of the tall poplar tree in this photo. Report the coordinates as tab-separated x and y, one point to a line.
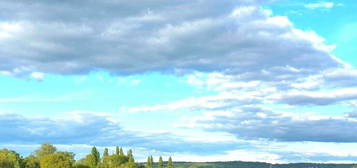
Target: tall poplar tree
95	156
161	163
106	152
117	150
130	153
150	162
170	164
121	152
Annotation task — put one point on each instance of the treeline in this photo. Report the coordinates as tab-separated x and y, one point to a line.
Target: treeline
47	156
243	164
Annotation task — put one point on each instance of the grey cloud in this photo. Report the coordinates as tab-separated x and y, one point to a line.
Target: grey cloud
257	123
341	78
318	97
126	37
97	129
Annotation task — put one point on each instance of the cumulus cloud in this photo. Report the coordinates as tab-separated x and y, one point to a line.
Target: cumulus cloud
245	53
126	37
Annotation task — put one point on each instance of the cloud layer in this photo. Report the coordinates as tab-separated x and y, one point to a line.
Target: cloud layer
258	123
127	37
97	129
257	66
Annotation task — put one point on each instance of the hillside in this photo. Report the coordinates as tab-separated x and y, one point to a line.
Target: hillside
241	164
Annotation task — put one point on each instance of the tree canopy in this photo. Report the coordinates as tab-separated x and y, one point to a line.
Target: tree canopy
47	156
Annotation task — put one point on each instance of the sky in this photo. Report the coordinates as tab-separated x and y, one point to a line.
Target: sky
251	80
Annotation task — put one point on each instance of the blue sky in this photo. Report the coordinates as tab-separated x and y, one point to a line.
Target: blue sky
255	80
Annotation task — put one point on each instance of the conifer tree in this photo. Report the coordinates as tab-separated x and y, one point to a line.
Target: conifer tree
170	164
161	163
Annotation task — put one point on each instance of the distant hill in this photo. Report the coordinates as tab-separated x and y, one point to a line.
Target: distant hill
241	164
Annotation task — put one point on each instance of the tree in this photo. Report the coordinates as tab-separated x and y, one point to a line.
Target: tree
95	159
117	150
106	152
130	153
105	159
149	162
160	164
121	152
9	159
169	163
114	161
31	162
81	165
131	161
58	160
89	161
45	149
152	161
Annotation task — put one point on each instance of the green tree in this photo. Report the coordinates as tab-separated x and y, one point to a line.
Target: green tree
45	149
117	152
131	163
106	152
121	152
105	158
85	162
114	161
58	160
149	162
31	162
161	163
95	159
9	159
169	163
80	165
130	153
152	161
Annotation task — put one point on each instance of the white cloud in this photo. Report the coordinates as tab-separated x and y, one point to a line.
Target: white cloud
222	101
37	75
248	56
326	5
